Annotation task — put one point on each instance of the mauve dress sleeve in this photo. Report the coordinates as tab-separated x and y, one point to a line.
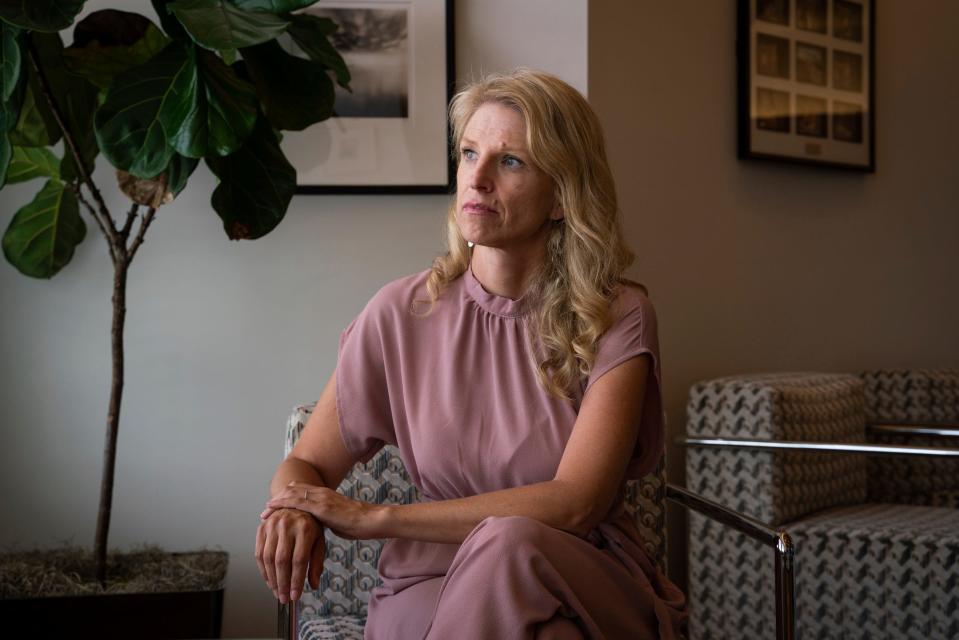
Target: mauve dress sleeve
362	391
633	333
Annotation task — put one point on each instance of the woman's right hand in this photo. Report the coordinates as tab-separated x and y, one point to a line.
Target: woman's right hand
290	543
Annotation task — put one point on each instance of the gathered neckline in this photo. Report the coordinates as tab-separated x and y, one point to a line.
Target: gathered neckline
490	302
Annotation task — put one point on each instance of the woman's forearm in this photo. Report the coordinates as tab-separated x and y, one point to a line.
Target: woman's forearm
554	503
294	470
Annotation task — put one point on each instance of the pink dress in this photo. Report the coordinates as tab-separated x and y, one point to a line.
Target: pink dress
456	393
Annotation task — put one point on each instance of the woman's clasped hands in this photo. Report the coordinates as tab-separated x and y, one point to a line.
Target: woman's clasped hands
289	541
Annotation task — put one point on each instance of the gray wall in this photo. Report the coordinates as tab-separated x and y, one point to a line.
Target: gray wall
755	266
222	339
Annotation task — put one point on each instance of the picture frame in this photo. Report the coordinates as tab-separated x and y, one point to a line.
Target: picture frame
390	135
806	82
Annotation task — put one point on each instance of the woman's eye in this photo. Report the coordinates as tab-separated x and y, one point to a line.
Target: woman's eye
512	162
469	154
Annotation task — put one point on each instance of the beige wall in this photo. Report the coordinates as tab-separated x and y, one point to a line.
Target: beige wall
755	266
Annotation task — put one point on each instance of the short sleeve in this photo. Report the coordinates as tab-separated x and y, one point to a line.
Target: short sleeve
634	333
362	389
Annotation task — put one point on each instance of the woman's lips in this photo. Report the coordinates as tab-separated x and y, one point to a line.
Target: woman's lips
478	208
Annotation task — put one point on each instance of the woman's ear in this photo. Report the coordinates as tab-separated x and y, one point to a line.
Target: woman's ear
557	214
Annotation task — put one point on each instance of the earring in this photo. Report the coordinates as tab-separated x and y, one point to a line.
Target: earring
469	244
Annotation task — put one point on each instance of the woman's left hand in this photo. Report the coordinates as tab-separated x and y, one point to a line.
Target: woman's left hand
347	518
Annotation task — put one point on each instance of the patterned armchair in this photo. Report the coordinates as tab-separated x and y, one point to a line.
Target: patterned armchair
876	539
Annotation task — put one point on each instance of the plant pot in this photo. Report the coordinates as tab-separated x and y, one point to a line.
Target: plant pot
187	614
149	594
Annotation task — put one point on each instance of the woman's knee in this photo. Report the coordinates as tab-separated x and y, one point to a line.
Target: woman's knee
512	532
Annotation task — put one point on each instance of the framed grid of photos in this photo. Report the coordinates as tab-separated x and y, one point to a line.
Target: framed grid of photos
806	82
389	135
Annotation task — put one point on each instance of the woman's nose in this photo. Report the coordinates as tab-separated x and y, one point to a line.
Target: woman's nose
481	178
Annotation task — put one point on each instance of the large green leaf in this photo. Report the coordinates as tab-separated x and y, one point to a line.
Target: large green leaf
10	56
76	99
179	171
295	92
256	185
40	15
36	126
311	34
230	107
11	99
111	28
221	111
217	24
79	106
183	116
42	235
109	42
11	104
144	107
32	162
272	6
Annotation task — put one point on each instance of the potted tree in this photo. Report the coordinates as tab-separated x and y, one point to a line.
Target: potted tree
209	82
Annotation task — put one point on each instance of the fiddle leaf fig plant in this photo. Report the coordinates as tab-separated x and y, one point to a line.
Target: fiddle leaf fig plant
208	80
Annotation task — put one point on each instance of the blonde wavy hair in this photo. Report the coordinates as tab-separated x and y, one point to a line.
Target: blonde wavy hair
572	293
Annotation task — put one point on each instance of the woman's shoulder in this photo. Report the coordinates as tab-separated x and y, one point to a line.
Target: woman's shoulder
399	295
632	299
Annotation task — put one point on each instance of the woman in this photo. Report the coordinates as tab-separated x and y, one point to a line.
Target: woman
519	377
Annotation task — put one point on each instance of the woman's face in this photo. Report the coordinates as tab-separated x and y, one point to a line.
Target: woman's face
502	200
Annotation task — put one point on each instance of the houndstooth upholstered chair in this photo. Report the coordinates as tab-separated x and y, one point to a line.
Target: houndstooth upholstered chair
876	539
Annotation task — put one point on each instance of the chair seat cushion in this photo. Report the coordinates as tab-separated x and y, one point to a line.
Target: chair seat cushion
877	570
343	627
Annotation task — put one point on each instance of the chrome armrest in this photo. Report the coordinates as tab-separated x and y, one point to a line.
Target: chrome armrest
829	447
779	540
919	429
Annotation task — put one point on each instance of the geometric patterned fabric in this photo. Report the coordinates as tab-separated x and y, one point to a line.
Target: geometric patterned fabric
867	572
863	570
331	627
913	397
337	610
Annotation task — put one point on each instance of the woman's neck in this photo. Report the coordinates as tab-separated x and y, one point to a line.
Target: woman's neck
506	273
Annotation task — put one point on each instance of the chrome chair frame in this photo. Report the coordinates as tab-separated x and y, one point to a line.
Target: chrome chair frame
778	539
834	447
899	429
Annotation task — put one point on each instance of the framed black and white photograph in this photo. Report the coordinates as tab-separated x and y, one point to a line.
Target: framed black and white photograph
806	79
389	133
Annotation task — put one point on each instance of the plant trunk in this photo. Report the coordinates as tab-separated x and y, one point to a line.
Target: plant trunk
113	418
